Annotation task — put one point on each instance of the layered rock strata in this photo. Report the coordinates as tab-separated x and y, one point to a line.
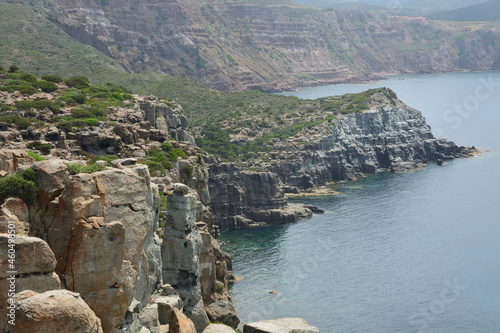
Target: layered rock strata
396	138
242	198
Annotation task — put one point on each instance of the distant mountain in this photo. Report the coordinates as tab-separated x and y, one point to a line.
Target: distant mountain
423	5
487	11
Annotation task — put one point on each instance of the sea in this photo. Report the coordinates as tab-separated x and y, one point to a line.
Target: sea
407	252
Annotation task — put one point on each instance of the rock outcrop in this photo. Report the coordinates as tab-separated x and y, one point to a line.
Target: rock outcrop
30	268
101	227
181	250
396	138
242	198
53	311
223	312
283	325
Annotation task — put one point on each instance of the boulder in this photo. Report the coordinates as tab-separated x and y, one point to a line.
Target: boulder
224	312
166	304
283	325
33	255
33	268
54	311
11	159
218	328
179	323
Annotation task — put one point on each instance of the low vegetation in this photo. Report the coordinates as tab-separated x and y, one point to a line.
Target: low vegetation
19	185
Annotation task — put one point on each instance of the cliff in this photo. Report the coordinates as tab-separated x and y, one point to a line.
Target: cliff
236	45
387	136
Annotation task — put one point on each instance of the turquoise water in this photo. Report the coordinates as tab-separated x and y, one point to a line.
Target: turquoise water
412	252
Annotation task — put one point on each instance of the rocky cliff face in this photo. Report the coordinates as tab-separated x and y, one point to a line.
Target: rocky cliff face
394	137
389	136
97	234
234	45
242	198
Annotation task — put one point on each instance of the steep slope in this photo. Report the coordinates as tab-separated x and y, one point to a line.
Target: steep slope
30	41
239	45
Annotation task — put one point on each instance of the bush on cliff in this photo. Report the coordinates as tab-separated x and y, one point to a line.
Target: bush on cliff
157	162
35	156
43	147
76	168
19	185
52	78
20	122
79	82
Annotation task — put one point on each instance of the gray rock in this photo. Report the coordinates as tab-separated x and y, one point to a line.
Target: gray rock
224	312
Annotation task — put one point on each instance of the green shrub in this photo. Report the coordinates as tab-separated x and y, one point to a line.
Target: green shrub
167	146
2	70
187	171
46	86
79	82
52	78
28	77
19	185
13	68
20	122
81	113
4	107
157	162
76	168
36	156
26	89
163	201
174	154
43	147
91	122
45	104
67	125
116	95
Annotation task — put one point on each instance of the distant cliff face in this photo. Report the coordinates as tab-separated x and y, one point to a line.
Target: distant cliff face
394	137
232	45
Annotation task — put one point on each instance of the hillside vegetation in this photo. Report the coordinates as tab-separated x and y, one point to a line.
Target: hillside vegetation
238	126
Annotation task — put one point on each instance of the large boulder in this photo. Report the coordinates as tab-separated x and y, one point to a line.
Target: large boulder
53	311
224	312
179	323
283	325
32	268
32	255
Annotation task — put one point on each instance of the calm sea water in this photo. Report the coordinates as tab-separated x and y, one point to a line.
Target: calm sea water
412	252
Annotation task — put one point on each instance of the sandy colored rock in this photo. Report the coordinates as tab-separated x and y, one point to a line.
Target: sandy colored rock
33	255
218	328
55	311
11	159
282	325
179	323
